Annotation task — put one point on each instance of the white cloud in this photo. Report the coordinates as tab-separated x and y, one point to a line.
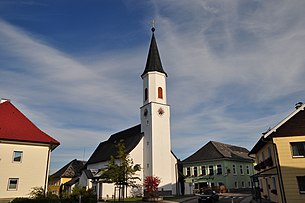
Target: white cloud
234	68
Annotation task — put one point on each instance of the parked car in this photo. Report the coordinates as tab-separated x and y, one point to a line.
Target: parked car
208	196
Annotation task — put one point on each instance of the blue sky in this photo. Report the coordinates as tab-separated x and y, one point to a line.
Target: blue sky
235	68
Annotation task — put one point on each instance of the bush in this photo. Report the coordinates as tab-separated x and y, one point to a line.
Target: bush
37	195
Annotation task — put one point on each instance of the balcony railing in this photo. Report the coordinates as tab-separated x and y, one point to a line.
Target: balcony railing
264	164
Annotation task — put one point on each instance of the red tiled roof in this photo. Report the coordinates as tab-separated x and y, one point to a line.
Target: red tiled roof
15	126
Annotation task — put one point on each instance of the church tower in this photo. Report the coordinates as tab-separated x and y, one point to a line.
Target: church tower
155	121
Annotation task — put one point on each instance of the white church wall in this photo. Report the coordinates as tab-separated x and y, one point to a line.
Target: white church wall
137	155
174	174
161	152
154	80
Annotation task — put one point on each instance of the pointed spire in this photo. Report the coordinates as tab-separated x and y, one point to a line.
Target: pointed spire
153	62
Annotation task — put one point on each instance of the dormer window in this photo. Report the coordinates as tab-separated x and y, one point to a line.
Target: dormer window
160	93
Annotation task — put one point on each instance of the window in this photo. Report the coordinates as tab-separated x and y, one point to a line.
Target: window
263	156
203	171
196	186
17	156
12	184
145	94
261	185
219	169
235	184
301	183
269	151
274	183
188	171
234	169
211	170
160	93
249	184
242	184
248	170
195	171
241	169
298	149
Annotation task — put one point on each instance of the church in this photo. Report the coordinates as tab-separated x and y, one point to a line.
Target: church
148	144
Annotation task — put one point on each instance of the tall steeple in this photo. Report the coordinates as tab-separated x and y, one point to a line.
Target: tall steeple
155	122
153	62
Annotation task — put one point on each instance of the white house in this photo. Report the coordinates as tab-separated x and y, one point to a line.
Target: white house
25	153
148	143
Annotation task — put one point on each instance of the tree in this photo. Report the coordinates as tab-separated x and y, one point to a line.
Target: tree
121	170
151	184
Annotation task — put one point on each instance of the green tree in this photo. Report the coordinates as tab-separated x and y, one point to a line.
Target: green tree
121	170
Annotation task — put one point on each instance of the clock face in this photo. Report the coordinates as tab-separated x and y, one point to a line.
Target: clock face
160	111
145	112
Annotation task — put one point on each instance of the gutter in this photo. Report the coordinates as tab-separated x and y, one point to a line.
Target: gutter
47	170
278	169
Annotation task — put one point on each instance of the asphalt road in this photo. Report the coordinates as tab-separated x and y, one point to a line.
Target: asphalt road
227	198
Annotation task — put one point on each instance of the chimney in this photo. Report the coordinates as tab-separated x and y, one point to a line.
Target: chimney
4	100
298	105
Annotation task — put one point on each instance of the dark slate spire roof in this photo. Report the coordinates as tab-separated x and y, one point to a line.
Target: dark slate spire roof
153	62
216	150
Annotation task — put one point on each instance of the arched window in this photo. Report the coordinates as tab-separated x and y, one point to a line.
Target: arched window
145	94
160	93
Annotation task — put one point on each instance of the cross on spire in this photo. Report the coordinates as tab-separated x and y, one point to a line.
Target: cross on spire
153	26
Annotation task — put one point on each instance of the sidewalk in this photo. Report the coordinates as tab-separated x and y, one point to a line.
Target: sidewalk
250	200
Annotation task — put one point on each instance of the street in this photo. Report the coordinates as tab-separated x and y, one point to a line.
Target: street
227	198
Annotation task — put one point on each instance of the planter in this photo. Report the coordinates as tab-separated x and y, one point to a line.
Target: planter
152	199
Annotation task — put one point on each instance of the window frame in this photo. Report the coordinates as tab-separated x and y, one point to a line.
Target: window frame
15	157
195	171
292	149
203	170
9	184
188	171
145	94
241	169
219	169
248	169
160	93
234	169
211	170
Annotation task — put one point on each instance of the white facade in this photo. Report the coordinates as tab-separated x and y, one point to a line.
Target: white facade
153	152
29	169
155	123
105	190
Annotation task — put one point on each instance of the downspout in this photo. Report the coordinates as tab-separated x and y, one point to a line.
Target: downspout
279	172
47	170
177	178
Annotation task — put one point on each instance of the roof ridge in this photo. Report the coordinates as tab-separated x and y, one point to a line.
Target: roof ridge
213	144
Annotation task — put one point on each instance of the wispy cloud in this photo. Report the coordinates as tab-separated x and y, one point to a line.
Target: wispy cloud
235	68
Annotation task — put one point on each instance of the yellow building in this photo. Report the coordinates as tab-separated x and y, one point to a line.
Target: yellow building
280	158
68	174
